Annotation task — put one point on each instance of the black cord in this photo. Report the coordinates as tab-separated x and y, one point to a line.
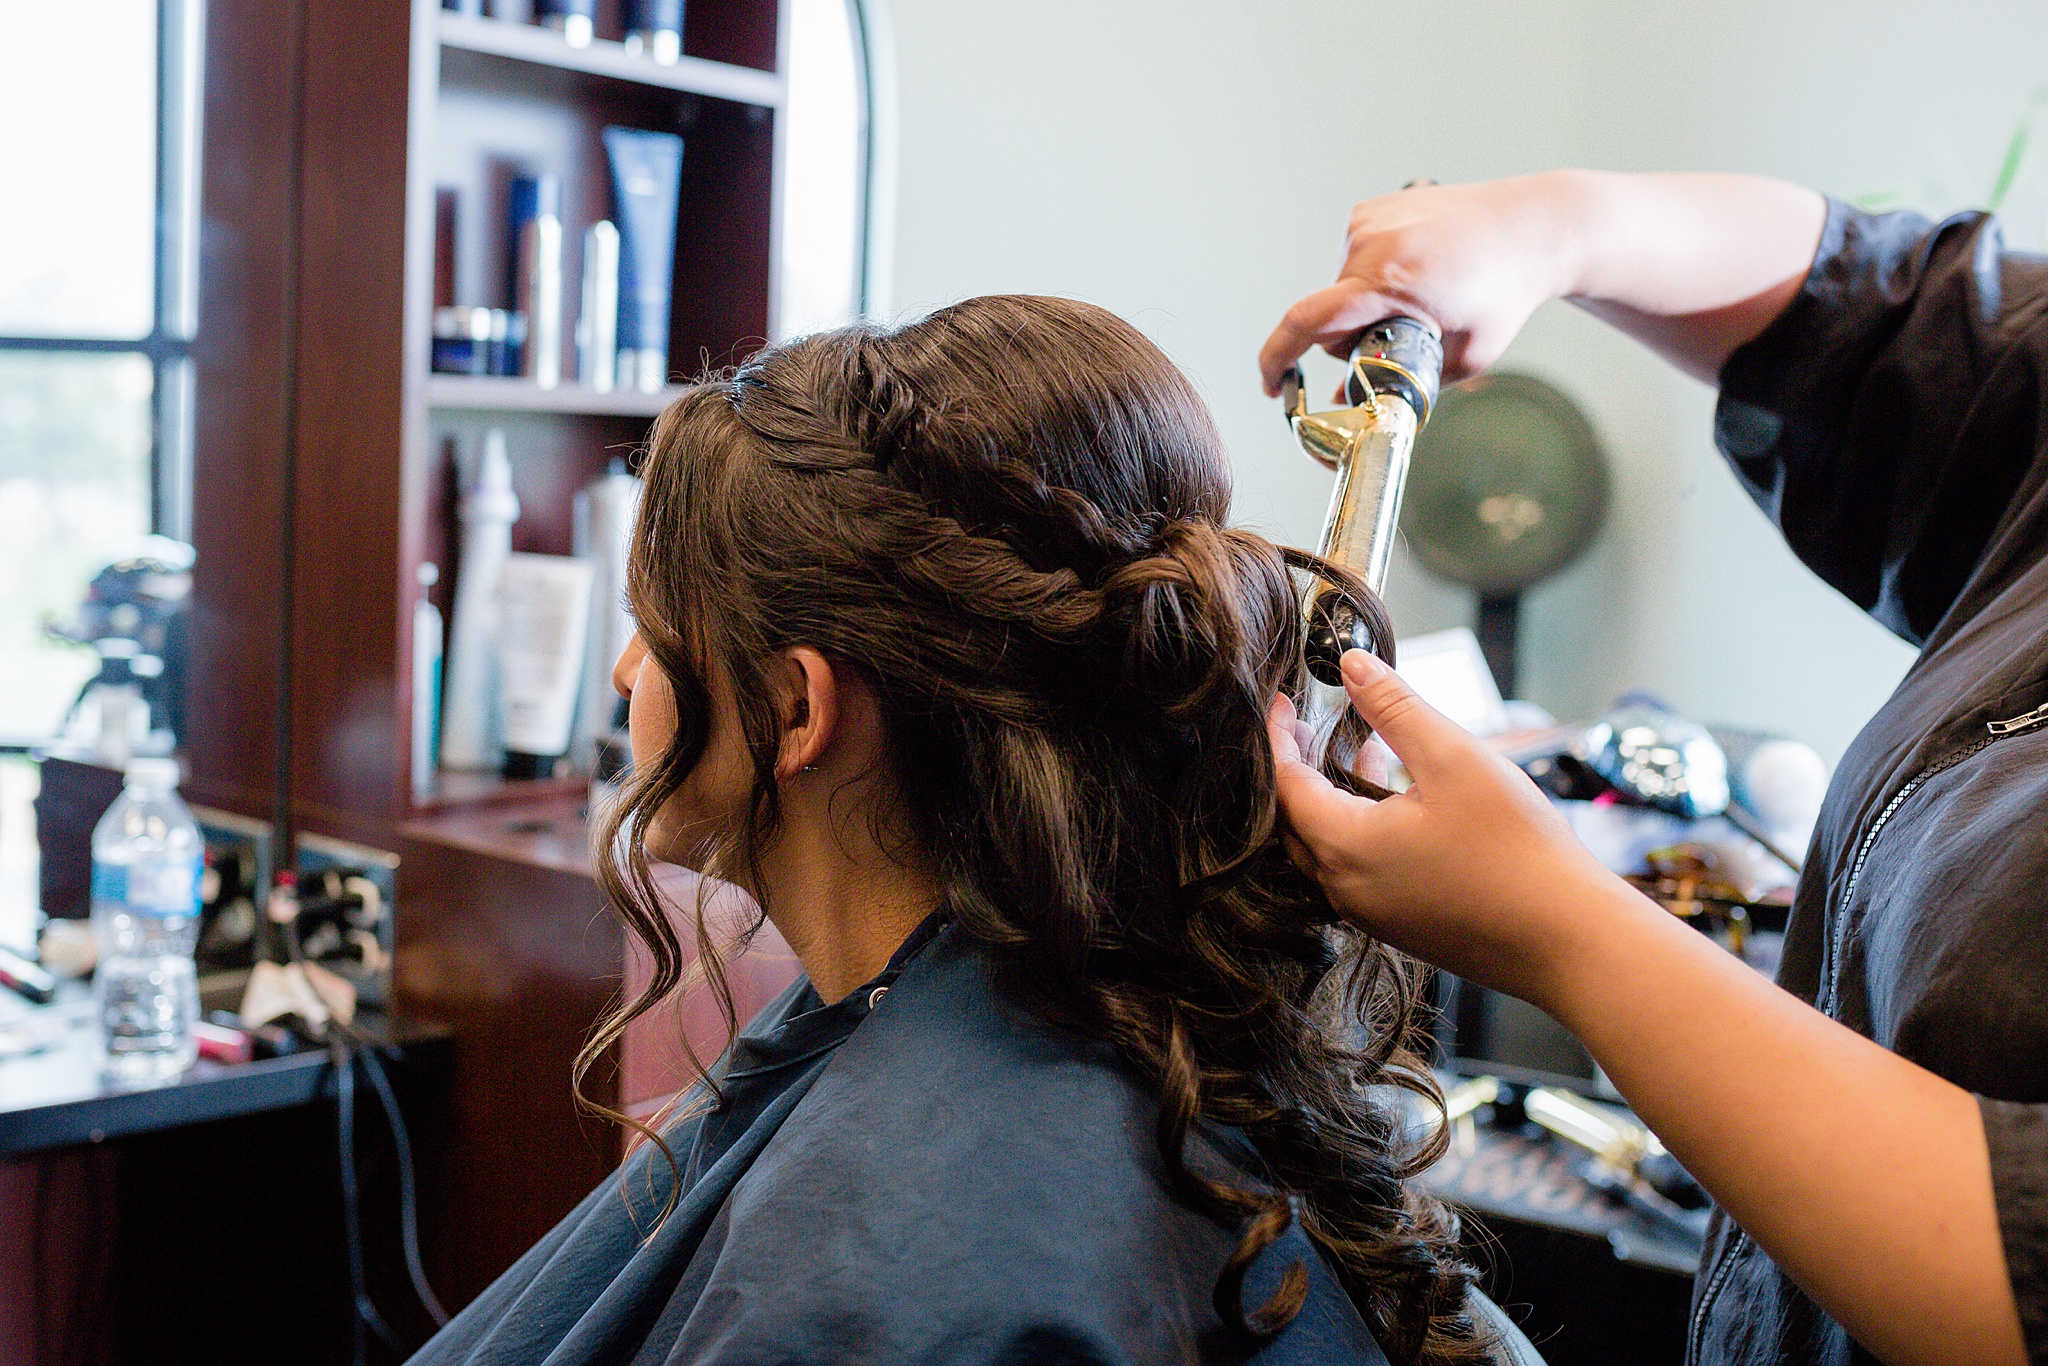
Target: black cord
408	1198
347	1049
365	1317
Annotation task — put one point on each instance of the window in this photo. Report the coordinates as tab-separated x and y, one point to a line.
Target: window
98	304
825	168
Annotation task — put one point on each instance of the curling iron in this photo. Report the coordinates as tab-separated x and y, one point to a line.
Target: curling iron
1395	367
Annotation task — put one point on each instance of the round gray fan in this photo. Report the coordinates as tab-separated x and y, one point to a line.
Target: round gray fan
1508	486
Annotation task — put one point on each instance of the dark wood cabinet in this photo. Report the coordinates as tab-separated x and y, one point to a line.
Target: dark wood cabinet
325	478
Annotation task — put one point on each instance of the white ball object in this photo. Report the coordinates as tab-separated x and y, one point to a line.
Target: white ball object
1783	782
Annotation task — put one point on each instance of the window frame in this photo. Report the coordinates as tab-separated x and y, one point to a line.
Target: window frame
180	49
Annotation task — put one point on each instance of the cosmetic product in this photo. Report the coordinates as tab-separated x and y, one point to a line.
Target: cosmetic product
543	624
602	533
462	341
512	347
655	27
496	327
527	196
426	685
470	708
597	324
222	1044
536	236
575	19
26	979
451	349
445	200
647	170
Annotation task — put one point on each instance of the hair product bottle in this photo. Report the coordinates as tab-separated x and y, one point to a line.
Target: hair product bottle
573	19
543	625
426	685
536	230
656	28
603	532
597	324
647	170
470	725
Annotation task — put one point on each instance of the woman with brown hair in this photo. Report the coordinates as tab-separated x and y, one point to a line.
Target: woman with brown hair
947	657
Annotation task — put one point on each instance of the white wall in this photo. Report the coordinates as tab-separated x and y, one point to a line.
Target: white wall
1189	163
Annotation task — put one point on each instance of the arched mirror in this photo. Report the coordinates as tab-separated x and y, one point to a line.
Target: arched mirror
825	168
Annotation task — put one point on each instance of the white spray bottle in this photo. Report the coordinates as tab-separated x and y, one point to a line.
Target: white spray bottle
427	641
603	533
470	730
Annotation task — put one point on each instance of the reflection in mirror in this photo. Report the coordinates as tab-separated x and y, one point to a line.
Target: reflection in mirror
74	494
824	237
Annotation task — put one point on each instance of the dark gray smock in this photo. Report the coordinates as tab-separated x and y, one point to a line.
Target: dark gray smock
938	1179
1894	423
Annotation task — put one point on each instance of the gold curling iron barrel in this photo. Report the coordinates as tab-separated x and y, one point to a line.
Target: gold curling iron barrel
1395	366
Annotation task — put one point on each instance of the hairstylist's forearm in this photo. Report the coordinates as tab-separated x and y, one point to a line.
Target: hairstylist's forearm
1693	266
1866	1177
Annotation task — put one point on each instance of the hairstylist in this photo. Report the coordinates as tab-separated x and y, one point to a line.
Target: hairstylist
1876	1132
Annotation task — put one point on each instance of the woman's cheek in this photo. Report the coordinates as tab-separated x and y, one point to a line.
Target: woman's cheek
651	714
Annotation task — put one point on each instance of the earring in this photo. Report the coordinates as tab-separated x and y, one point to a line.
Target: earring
810	768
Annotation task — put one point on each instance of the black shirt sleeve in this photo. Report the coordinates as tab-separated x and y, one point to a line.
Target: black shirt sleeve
1881	421
2018	1138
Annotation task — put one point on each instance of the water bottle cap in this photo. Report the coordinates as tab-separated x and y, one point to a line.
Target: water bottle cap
152	773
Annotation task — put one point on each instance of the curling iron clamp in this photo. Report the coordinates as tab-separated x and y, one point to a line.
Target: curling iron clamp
1395	368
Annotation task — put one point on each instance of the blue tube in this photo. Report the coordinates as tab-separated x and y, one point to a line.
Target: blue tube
647	173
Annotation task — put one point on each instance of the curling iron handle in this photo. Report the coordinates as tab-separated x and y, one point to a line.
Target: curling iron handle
1395	368
1402	356
1365	502
1358	534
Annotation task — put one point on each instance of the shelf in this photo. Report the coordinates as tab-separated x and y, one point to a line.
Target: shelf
455	790
56	1098
543	832
545	47
491	393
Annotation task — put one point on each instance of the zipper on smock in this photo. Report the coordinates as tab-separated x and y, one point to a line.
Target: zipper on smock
1994	732
1696	1331
2026	721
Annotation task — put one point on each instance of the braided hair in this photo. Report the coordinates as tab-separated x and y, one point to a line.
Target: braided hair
1010	518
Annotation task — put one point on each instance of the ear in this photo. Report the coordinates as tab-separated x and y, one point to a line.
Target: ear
810	710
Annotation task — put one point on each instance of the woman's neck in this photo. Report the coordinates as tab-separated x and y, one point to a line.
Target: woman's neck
843	904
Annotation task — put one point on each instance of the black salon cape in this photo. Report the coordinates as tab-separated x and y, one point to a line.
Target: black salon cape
940	1179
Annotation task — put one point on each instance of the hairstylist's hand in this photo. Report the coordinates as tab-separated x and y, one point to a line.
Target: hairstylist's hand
1476	260
1471	868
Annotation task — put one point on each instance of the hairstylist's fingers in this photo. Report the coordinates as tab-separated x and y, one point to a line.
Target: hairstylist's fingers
1420	735
1318	812
1328	317
1283	725
1370	763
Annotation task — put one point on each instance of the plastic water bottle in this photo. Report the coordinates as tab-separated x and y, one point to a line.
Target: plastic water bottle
147	857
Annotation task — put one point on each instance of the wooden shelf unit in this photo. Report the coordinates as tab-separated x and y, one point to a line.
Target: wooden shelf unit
330	128
483	393
610	60
492	98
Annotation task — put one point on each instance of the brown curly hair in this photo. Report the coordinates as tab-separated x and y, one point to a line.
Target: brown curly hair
1009	519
